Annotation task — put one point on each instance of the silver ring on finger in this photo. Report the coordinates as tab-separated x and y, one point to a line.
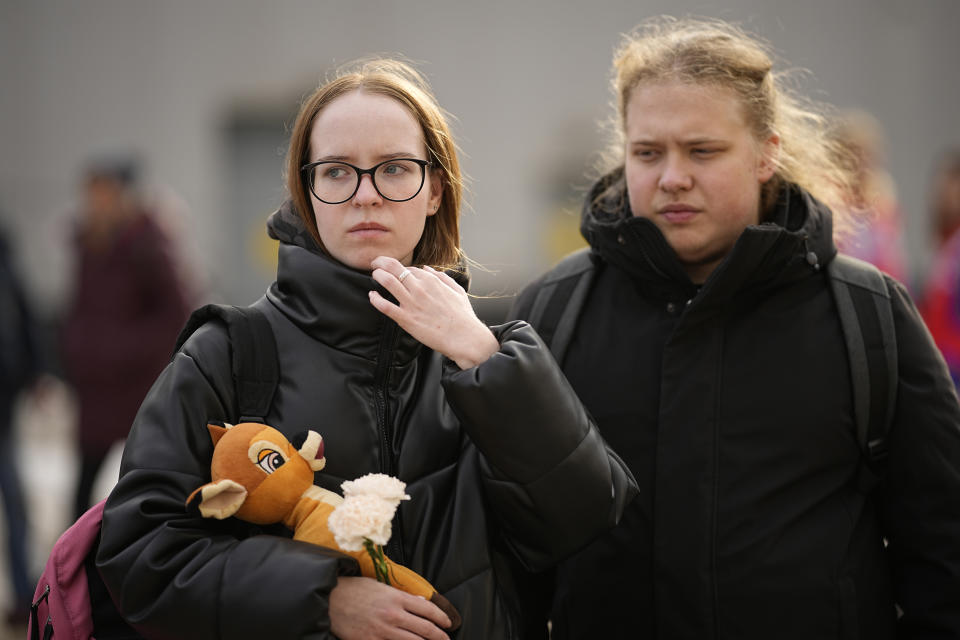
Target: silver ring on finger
403	275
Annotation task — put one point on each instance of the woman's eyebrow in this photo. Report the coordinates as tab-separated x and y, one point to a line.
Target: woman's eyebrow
702	140
383	156
398	154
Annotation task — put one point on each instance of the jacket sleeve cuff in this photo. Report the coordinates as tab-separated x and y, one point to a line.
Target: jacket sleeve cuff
517	406
544	460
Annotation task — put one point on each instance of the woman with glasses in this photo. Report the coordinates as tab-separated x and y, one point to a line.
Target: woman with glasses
381	353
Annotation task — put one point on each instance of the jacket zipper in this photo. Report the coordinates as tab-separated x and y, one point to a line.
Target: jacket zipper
388	465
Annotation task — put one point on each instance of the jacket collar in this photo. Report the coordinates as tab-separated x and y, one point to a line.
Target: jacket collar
795	241
328	300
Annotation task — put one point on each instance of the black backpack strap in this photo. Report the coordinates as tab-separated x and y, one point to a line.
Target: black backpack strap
254	362
557	305
863	303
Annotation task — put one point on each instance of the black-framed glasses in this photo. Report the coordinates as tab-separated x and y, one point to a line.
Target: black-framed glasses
335	182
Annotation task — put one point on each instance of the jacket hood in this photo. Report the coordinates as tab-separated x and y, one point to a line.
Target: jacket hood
285	225
326	299
796	237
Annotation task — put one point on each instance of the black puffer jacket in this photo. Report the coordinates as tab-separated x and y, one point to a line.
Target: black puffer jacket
732	405
501	461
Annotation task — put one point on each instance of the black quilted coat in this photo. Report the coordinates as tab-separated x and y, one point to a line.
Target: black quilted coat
732	405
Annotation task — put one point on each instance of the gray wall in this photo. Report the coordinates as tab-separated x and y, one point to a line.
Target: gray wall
526	80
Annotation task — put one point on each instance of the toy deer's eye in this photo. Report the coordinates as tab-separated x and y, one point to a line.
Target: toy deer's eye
269	456
270	460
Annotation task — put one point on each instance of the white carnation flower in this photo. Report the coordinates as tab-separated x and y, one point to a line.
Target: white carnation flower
363	519
359	517
376	484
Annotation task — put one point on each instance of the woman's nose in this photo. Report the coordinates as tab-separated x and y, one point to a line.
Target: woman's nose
366	194
676	176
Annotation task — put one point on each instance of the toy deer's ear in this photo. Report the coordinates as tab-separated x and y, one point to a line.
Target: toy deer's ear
220	499
217	429
310	447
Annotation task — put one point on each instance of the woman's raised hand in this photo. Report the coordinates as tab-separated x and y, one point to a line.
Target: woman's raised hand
435	310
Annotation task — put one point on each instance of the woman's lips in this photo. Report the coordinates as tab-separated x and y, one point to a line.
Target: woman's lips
679	213
679	216
367	229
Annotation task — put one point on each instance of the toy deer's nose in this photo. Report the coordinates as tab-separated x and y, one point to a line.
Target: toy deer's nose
309	445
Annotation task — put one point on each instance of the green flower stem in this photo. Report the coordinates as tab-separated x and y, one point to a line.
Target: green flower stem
379	560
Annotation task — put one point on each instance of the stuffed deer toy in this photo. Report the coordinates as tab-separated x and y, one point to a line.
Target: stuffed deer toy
259	476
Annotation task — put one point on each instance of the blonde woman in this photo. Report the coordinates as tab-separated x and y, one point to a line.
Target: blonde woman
710	352
382	354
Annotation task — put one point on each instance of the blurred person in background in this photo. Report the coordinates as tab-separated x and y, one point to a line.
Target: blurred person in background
941	301
126	309
21	362
946	197
710	351
380	351
876	222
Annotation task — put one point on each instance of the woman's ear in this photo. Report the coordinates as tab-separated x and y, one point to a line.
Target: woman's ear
769	158
437	183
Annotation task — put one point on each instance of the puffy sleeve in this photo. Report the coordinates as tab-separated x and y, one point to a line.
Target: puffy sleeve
919	502
549	476
175	575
